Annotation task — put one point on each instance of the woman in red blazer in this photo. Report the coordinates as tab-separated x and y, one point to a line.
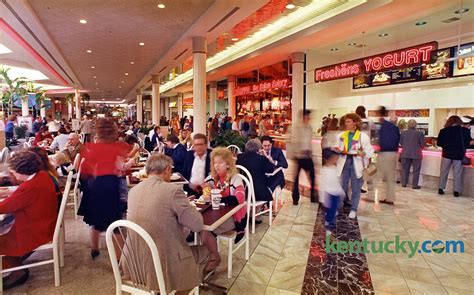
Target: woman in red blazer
35	207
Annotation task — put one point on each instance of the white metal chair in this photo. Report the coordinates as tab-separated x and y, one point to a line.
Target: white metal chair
26	145
56	245
31	140
277	195
76	192
76	162
234	149
131	233
4	155
230	236
254	204
81	137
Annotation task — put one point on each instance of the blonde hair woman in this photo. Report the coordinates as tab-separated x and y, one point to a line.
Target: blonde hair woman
356	151
224	177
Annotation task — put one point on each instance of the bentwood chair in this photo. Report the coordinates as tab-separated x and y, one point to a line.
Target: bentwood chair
134	239
229	236
56	245
234	149
256	204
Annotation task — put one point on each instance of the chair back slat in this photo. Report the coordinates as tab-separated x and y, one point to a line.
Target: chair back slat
234	149
133	261
248	192
247	174
78	176
62	208
76	161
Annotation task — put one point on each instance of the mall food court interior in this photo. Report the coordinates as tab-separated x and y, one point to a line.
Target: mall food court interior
168	138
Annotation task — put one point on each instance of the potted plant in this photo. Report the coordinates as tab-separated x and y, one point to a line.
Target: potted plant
230	137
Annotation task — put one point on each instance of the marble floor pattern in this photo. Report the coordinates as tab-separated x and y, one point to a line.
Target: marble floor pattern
279	254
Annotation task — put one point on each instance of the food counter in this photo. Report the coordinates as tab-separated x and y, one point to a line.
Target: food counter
430	167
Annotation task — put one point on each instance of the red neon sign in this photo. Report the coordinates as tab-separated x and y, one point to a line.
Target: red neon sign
406	57
261	87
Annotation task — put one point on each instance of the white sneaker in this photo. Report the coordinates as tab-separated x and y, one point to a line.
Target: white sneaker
328	233
352	214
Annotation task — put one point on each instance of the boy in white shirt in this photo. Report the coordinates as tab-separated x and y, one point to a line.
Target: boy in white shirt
331	188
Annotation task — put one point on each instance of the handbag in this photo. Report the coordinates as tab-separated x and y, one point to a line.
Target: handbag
465	160
369	171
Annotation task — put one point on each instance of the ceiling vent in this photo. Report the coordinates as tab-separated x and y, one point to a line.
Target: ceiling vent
164	68
451	20
360	46
224	19
179	55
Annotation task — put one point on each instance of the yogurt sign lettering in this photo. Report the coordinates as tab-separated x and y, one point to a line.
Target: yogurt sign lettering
406	57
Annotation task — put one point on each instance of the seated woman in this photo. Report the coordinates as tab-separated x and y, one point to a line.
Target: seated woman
224	177
35	207
43	137
63	166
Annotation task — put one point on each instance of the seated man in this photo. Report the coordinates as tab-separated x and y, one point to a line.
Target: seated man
176	151
164	216
258	166
73	146
276	157
60	141
197	165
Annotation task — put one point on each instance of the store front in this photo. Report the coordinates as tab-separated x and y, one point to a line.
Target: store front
426	81
266	93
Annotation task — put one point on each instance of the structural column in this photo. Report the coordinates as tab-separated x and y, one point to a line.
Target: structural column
199	84
155	100
167	108
24	107
297	87
180	105
70	110
230	96
77	100
212	98
139	105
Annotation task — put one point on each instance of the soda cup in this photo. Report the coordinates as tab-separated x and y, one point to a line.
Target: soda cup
216	199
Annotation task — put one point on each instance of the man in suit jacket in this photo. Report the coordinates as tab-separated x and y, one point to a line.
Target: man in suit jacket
257	165
197	164
163	211
176	151
277	158
73	146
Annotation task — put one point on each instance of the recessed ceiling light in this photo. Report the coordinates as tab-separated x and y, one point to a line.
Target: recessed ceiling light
96	83
462	10
89	51
97	88
126	74
383	34
290	6
132	62
120	86
123	81
83	21
103	99
95	77
141	44
161	5
421	23
92	67
352	44
235	39
334	49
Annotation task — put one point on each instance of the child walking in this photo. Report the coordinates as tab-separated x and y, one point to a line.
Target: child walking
331	188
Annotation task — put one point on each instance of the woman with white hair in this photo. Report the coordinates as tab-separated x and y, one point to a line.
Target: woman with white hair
412	142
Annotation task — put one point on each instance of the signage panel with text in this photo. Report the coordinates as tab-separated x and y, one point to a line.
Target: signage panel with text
402	58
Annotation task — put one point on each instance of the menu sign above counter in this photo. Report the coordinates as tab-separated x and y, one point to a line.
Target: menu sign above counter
438	69
464	66
402	58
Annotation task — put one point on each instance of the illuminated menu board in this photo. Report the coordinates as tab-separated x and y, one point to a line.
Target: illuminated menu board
464	66
438	69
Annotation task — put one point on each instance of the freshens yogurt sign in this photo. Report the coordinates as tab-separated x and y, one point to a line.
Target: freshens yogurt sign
411	56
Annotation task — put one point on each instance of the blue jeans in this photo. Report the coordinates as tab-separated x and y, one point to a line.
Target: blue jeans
348	173
331	211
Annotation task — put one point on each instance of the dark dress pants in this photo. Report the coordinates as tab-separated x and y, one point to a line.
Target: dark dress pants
307	165
406	164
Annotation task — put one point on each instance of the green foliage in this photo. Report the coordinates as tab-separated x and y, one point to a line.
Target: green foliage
230	137
145	129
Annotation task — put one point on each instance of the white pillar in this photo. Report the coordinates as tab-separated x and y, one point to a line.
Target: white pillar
297	87
212	98
199	84
155	99
230	96
24	107
139	105
77	100
69	110
180	105
167	108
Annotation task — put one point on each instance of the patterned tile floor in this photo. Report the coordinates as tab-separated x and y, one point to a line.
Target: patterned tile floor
279	254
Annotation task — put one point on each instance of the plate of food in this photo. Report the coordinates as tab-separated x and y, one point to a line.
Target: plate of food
175	177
